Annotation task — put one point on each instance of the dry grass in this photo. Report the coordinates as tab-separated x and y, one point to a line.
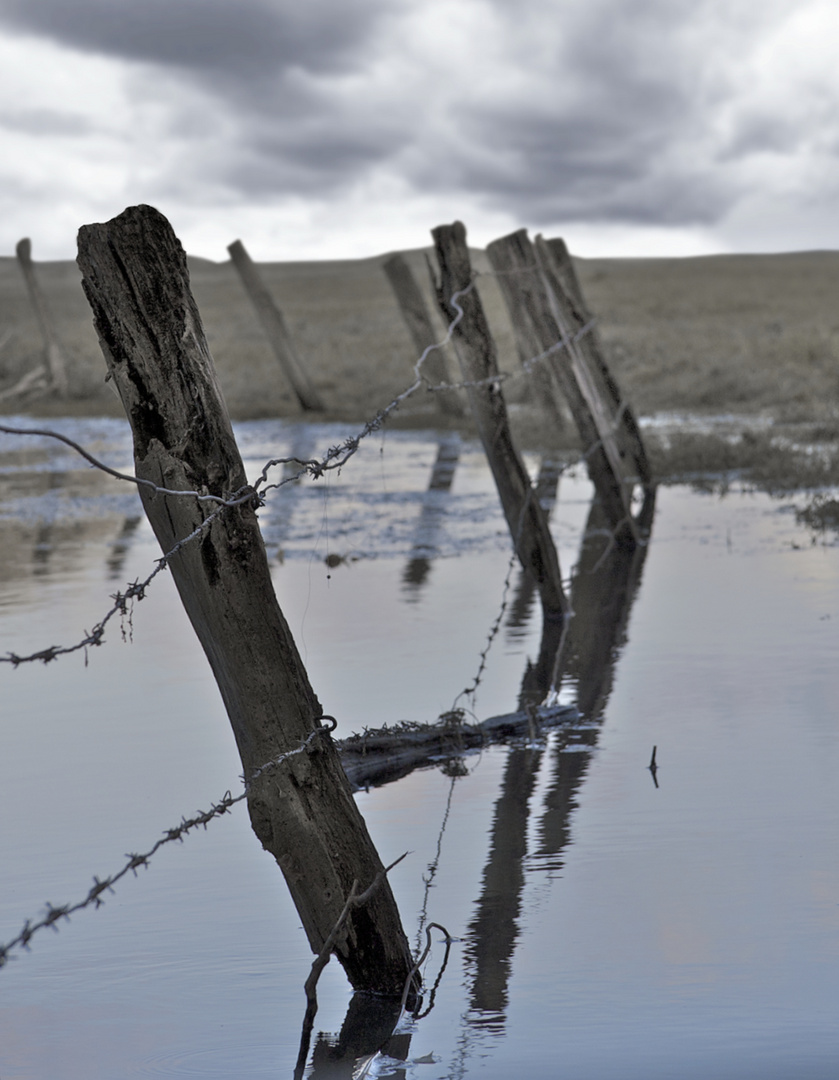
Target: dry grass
766	460
750	335
821	515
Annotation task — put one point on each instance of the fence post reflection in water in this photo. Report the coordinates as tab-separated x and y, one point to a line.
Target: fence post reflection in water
423	549
604	586
276	517
366	1031
606	581
603	589
546	491
122	545
493	931
42	548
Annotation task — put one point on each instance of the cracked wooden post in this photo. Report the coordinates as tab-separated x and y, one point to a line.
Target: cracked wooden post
135	277
421	329
56	362
545	304
272	322
475	350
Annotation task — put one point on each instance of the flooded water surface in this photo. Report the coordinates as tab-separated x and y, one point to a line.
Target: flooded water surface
608	921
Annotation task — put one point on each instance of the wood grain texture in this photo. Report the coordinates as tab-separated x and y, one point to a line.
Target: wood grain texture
135	277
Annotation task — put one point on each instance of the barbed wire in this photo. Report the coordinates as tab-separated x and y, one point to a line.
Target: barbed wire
123	601
139	481
334	459
135	861
469	691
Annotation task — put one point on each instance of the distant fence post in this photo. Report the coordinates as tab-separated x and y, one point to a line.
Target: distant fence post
476	352
273	323
545	304
56	362
421	329
136	279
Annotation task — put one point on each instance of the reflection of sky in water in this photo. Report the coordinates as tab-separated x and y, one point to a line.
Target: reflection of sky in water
689	931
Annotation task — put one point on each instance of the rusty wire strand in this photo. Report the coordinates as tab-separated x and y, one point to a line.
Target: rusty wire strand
135	591
135	861
469	691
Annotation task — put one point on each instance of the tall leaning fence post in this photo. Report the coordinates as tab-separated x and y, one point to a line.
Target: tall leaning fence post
302	810
272	322
56	362
475	348
420	327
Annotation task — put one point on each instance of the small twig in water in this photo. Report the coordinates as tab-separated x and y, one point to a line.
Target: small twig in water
653	768
354	900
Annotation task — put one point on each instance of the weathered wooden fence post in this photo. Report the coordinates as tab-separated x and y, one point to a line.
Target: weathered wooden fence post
545	304
561	277
421	329
56	362
136	279
273	323
476	352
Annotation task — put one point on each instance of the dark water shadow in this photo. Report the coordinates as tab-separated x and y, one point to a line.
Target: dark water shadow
525	591
604	587
367	1029
493	930
424	549
606	581
122	545
43	547
276	526
582	653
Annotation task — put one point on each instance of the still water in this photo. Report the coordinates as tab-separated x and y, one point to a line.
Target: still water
606	927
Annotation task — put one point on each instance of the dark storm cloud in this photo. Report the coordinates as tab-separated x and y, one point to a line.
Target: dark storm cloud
613	111
243	38
615	119
576	167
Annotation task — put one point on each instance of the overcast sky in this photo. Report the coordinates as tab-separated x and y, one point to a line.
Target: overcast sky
346	128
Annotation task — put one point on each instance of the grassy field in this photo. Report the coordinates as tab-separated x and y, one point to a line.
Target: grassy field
754	336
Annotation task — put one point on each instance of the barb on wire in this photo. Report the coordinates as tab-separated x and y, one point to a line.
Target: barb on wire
431	872
135	861
525	368
469	691
136	591
337	456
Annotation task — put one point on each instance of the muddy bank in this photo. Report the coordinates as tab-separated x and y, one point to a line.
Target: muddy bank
757	336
